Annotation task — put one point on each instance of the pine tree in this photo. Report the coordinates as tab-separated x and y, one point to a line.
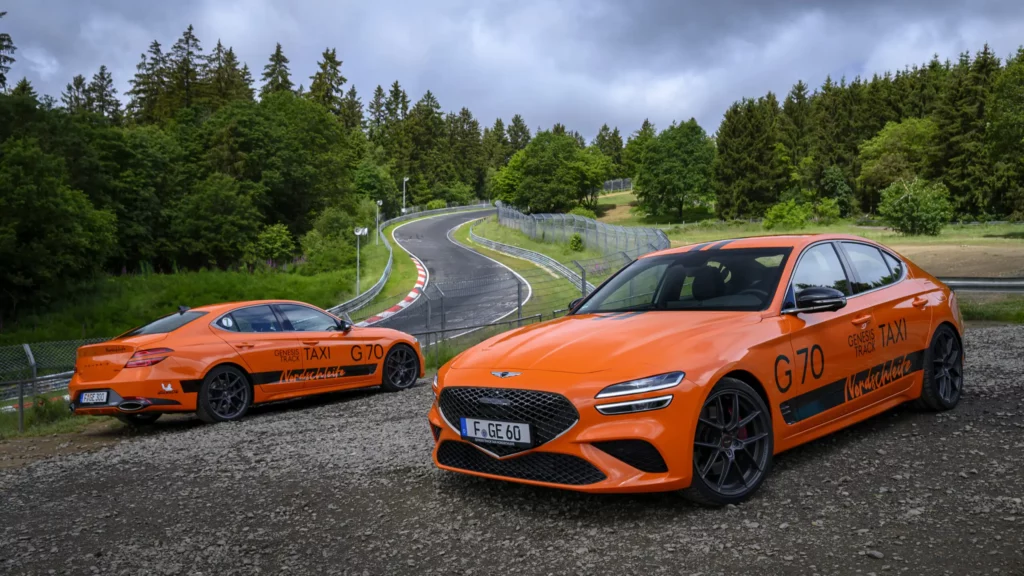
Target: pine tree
101	97
834	143
518	134
558	129
352	111
188	68
797	124
148	103
609	143
24	88
465	148
428	161
7	50
633	152
276	76
327	86
225	82
1006	139
76	95
246	91
377	117
496	147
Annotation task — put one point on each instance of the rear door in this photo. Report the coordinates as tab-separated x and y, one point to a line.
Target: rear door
902	320
331	358
269	352
826	346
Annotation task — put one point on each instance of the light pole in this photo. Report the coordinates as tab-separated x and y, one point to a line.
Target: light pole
359	232
404	180
376	233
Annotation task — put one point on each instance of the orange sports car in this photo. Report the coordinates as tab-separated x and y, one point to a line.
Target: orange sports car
219	360
690	368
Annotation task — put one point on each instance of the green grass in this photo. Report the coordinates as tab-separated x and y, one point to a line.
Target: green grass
46	417
491	230
114	304
992	307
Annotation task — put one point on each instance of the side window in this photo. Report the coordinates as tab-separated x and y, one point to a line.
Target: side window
872	271
820	266
256	319
303	319
228	323
895	265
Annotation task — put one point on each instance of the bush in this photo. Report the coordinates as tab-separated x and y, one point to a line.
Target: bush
576	242
787	216
584	212
827	211
916	208
436	204
274	243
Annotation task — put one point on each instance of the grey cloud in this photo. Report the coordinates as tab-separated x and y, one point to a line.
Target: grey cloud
579	62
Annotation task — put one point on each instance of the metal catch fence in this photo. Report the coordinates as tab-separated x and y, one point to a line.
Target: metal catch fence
597	236
619	185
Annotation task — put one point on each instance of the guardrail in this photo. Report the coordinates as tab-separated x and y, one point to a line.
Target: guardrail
366	297
964	284
535	257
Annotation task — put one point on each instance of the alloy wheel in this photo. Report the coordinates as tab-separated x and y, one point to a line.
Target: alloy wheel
732	444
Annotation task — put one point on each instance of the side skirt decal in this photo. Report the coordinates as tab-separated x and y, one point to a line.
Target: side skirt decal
850	388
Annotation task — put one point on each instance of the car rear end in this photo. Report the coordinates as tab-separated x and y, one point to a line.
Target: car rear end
135	372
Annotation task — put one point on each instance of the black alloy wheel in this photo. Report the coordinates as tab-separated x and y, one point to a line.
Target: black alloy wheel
732	446
943	371
401	367
225	395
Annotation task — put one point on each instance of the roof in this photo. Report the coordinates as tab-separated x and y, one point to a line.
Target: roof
795	241
226	306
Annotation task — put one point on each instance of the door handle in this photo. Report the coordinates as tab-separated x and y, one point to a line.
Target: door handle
920	302
861	319
310	342
244	345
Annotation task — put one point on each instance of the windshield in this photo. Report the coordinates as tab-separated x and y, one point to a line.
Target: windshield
164	325
729	280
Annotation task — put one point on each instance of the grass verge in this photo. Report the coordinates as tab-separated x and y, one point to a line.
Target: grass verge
491	230
46	417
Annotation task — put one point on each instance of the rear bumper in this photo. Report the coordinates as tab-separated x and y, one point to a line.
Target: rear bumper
574	460
131	397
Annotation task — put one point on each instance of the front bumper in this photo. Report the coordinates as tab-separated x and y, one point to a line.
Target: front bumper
639	452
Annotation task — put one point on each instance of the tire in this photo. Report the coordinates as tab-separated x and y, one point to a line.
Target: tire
225	395
401	368
732	449
943	371
139	420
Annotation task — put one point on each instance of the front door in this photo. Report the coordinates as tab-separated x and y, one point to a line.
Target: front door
331	358
827	347
267	350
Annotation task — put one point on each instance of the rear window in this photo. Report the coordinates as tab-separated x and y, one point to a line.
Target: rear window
164	325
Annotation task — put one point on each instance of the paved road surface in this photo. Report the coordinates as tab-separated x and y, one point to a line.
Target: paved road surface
449	264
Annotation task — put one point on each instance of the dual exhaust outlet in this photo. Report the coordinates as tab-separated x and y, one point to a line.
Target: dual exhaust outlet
133	405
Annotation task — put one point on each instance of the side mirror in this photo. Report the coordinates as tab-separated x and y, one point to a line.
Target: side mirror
818	299
574	304
344	326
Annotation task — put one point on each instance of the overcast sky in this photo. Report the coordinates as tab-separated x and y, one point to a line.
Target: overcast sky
579	62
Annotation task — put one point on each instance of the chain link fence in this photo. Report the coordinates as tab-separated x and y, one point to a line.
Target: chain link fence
620	185
597	236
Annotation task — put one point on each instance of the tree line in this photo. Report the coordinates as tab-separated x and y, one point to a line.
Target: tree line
199	168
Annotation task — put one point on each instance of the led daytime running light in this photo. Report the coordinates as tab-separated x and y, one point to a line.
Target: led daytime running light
643	385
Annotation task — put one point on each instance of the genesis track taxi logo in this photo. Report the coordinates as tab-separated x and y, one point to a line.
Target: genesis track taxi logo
505	374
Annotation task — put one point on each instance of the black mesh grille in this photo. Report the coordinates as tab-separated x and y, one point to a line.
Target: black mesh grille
637	453
547	414
537	466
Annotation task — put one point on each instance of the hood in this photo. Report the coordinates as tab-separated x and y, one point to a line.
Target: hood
591	343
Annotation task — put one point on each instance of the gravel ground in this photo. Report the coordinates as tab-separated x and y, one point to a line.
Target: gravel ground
344	485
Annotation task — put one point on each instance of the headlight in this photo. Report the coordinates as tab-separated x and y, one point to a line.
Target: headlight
649	384
434	383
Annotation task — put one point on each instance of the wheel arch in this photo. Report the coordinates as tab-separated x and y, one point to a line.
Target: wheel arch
229	363
752	381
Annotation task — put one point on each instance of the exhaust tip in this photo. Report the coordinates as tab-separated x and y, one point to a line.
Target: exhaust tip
131	406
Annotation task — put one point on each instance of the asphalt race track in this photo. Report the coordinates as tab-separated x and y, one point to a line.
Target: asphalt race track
450	268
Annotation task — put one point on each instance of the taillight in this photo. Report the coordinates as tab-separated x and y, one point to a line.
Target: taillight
144	358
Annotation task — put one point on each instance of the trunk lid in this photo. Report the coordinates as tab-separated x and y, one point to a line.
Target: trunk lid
103	361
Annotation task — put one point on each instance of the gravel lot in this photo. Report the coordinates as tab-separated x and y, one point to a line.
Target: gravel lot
344	485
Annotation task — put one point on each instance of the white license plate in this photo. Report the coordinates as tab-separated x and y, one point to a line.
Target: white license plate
492	432
93	398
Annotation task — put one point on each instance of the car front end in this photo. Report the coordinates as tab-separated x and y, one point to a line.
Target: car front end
587	432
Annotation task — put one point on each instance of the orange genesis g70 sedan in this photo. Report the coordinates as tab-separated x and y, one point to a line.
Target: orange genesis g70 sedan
219	360
691	367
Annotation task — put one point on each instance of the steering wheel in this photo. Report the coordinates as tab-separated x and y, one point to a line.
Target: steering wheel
755	291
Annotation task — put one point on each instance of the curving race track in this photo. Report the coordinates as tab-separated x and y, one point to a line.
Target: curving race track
451	271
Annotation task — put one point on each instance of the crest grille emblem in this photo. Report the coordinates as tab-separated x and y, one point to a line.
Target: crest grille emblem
505	374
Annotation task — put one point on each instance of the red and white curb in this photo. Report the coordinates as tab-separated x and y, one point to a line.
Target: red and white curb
417	291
